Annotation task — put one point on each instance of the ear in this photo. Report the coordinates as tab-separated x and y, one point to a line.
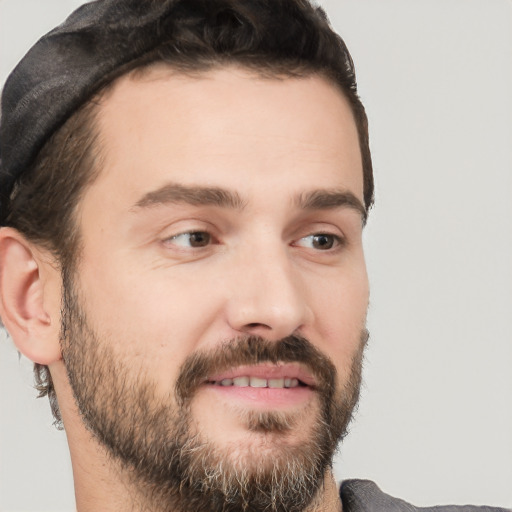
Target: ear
29	297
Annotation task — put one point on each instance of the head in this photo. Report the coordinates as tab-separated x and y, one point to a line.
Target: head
203	206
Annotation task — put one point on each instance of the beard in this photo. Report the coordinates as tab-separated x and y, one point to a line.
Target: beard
169	461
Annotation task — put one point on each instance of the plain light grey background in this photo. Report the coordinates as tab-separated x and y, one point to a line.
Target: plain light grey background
435	420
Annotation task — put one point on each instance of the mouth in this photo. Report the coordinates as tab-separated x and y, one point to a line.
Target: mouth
264	386
289	375
257	382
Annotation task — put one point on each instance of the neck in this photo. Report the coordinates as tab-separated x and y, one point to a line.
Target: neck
328	497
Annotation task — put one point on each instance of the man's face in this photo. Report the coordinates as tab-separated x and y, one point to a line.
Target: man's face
221	288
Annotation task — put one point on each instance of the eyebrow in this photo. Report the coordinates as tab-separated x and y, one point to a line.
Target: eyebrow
172	193
193	195
331	199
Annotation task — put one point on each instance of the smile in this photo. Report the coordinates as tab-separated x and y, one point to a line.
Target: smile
258	382
270	376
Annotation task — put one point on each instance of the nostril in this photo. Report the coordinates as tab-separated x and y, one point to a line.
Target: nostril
255	325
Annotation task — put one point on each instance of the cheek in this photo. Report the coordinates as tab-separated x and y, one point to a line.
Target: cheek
340	315
152	320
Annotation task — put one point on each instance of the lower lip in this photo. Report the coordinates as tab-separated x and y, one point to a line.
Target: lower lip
264	397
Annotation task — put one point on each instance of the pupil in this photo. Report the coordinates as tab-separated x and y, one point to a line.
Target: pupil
199	239
323	242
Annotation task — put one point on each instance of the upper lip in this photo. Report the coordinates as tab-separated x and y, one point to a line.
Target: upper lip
268	371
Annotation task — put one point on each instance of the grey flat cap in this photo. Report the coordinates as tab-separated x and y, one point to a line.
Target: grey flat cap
64	69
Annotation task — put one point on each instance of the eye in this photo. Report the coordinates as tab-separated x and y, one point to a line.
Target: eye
320	241
192	239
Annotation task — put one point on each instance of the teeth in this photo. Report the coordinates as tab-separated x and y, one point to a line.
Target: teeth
276	383
241	382
257	382
291	383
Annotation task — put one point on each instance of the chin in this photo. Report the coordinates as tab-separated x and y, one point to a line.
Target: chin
255	426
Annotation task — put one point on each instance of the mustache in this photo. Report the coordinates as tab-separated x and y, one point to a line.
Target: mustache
253	350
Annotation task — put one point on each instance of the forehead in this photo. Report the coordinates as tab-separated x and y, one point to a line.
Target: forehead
226	126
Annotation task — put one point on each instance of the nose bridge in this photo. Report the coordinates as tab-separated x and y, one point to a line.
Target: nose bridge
267	298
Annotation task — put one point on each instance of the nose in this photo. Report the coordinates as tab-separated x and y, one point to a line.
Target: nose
266	297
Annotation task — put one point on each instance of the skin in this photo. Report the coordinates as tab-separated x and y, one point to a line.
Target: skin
156	299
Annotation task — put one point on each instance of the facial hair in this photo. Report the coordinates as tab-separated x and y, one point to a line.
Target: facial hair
158	445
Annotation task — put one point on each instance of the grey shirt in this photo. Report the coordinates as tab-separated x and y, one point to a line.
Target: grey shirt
365	496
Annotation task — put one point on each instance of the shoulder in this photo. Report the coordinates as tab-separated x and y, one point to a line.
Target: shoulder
365	496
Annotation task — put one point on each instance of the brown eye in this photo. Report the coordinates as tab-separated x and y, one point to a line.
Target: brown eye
323	242
199	239
320	241
194	239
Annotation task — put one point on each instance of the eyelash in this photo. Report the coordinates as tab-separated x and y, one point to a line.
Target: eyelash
336	241
209	237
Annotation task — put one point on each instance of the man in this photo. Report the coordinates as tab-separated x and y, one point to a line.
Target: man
184	186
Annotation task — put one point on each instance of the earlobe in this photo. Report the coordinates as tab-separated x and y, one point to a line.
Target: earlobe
25	299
